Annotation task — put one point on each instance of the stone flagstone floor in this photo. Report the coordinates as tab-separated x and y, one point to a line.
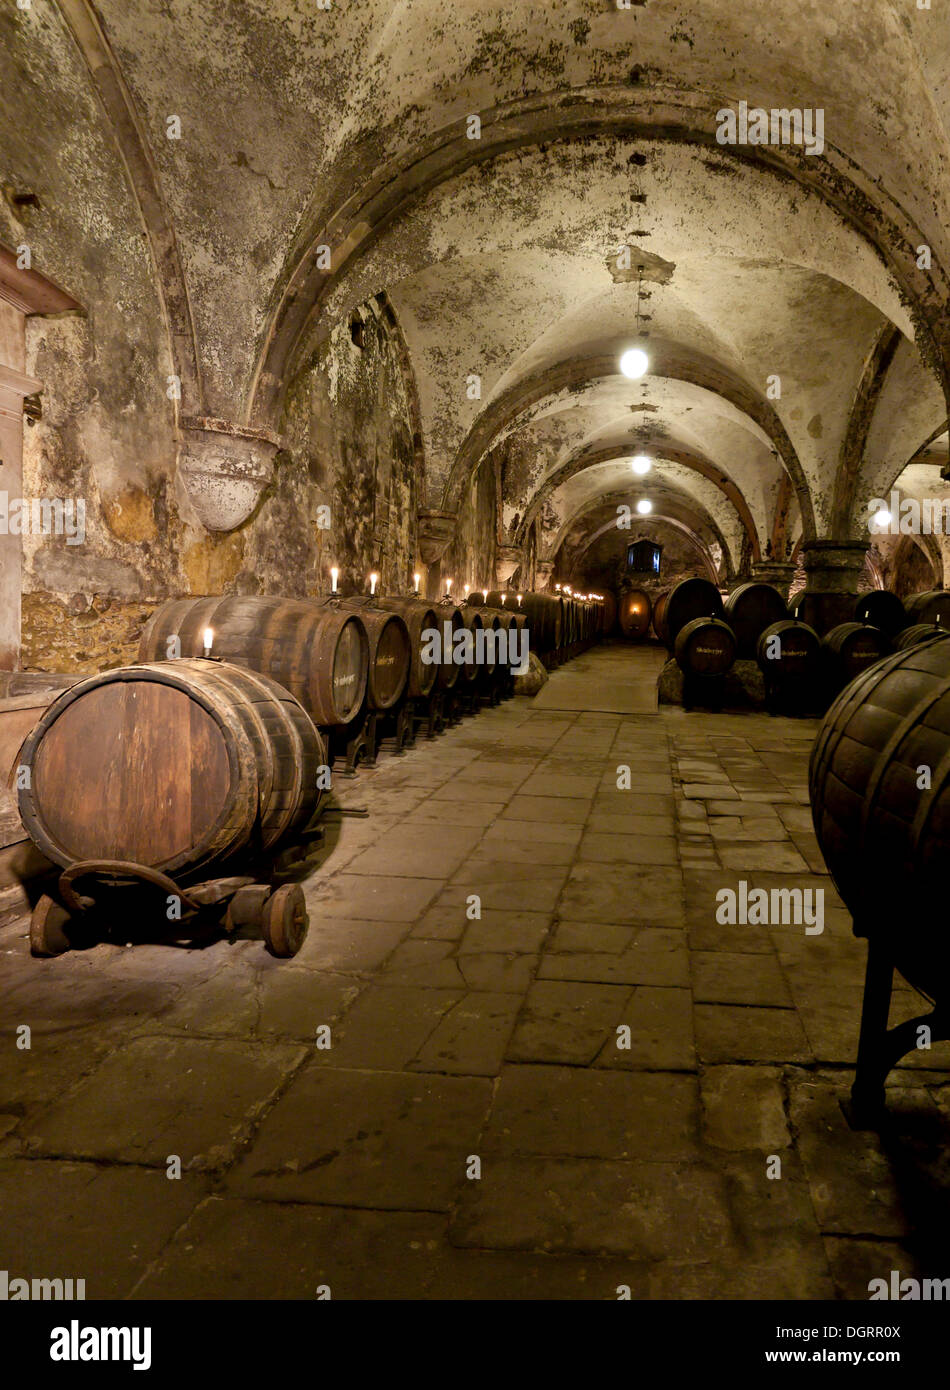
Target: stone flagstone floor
490	1044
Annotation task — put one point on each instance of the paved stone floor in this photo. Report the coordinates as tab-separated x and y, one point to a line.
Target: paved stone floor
475	1130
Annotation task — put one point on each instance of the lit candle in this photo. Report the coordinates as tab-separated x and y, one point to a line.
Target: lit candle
373	580
485	595
334	576
415	580
557	588
208	640
448	587
467	587
503	597
519	600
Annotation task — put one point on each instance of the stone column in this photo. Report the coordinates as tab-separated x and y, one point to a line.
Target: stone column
508	559
544	569
435	531
225	468
779	573
832	570
14	386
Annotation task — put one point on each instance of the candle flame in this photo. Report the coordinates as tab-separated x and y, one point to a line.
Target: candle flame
373	581
334	576
208	639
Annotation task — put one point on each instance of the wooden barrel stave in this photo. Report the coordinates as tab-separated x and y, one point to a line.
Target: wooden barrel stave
420	617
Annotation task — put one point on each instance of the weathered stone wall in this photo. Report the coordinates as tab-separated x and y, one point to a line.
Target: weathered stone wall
470	558
604	565
348	431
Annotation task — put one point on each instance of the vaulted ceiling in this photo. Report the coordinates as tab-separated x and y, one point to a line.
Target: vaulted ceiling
799	339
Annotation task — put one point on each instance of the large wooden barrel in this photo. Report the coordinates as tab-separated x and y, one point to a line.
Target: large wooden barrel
659	614
933	606
918	632
175	765
882	609
851	648
318	653
705	647
885	837
420	617
691	598
634	613
789	652
390	650
749	610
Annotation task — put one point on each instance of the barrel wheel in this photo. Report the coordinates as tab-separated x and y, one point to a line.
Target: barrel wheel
47	928
285	920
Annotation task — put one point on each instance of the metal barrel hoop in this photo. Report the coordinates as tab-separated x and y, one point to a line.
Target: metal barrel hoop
118	868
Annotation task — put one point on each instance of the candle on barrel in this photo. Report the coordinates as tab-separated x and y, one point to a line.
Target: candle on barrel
520	597
208	636
448	588
373	581
485	594
467	587
503	597
334	576
415	580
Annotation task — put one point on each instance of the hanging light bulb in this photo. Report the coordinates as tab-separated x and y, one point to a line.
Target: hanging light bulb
634	363
883	517
644	506
641	465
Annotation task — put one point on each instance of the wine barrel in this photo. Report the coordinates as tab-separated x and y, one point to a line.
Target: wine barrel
420	617
933	606
175	765
749	610
917	633
319	654
705	647
390	650
659	615
689	599
635	612
882	609
851	648
788	651
885	838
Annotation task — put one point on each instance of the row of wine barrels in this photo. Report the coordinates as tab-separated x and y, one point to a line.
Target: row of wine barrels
419	617
788	653
749	610
689	599
634	613
319	654
851	648
705	647
390	651
174	765
885	836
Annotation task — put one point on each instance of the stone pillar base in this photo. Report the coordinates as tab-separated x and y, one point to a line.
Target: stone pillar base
778	573
225	468
833	569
